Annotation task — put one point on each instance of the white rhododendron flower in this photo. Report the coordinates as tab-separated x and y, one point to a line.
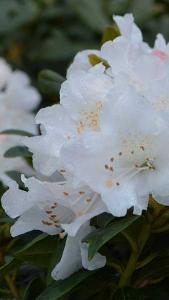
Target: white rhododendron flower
110	130
50	206
108	138
82	99
128	159
17	99
75	256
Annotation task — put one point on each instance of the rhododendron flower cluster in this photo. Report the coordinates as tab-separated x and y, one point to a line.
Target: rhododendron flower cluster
17	101
108	138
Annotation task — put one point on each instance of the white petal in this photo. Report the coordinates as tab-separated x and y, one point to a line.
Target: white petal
97	262
32	220
70	261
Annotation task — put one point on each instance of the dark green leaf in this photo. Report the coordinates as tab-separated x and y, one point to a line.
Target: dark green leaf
158	268
62	287
50	82
18	151
33	289
39	250
10	266
104	219
100	236
16	176
129	294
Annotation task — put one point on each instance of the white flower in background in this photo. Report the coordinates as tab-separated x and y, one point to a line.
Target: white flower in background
128	159
75	256
17	99
82	98
52	207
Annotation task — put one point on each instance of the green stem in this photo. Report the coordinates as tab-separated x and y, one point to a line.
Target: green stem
11	286
132	262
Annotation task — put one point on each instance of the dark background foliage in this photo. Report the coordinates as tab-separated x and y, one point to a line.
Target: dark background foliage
46	34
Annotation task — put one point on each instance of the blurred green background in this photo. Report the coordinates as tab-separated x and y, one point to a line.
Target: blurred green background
37	34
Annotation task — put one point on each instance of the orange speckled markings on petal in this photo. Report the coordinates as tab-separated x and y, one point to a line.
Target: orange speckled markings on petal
109	184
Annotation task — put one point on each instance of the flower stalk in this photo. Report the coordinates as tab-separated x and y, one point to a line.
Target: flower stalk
135	254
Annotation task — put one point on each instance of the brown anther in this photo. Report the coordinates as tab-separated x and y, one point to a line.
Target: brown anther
66	193
88	199
81	193
62	171
120	153
112	159
111	168
53	216
47	223
106	167
117	183
142	148
48	211
132	152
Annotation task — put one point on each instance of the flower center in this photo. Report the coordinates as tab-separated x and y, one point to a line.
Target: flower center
91	118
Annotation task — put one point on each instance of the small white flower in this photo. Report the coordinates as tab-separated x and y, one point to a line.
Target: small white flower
50	207
75	256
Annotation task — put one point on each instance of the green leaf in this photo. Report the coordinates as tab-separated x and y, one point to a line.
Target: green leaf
6	220
9	266
17	132
104	219
39	250
50	81
96	284
129	294
33	289
158	268
18	151
100	236
16	176
62	287
55	258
